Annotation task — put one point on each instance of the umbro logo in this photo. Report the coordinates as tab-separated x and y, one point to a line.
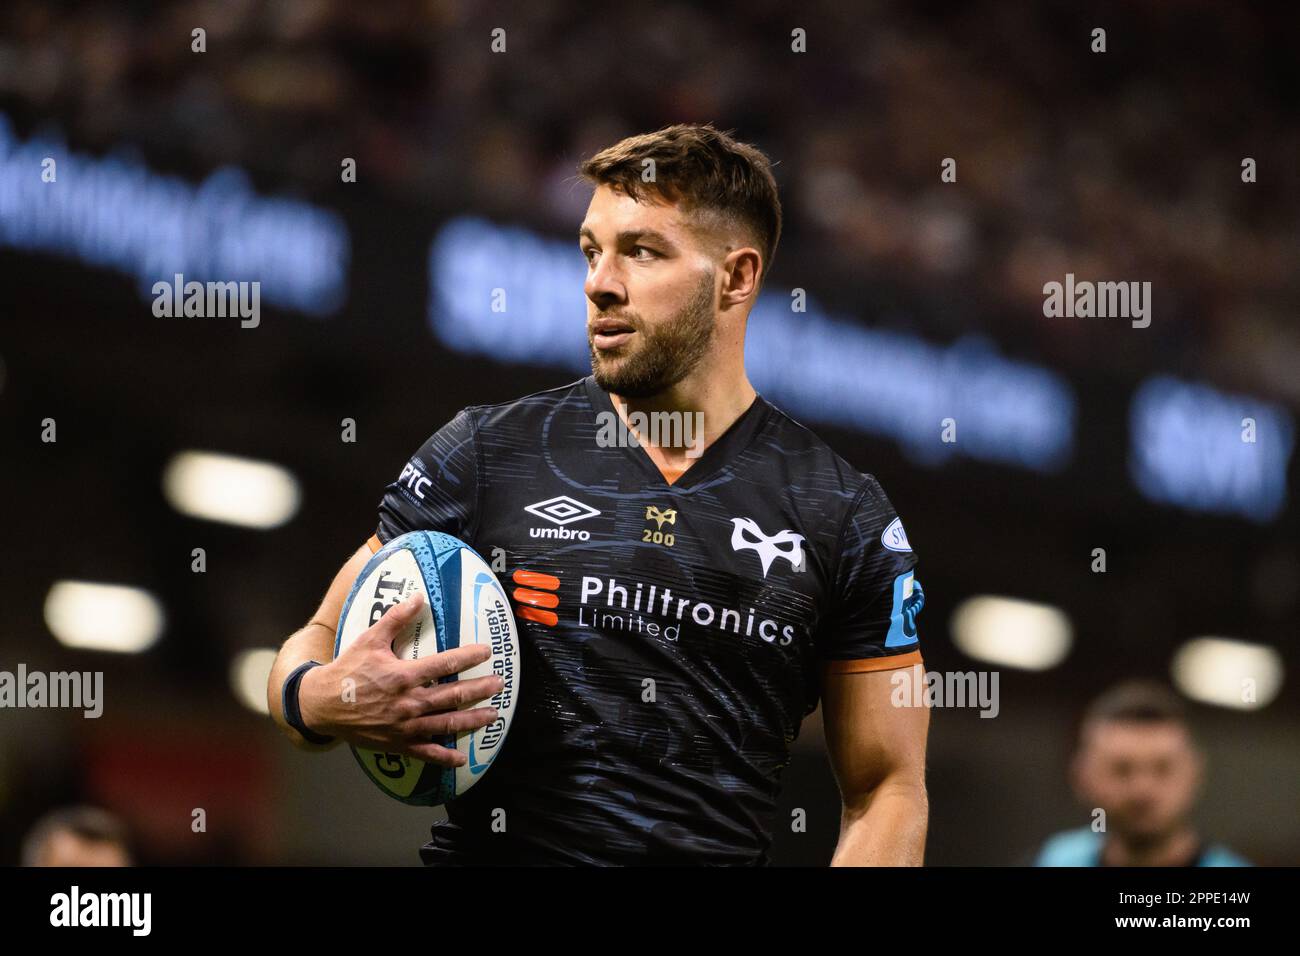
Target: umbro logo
746	535
562	510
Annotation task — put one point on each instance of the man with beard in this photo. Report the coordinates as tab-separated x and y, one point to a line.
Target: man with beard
682	608
1137	762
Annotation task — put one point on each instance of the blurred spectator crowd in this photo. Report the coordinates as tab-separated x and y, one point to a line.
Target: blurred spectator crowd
1123	165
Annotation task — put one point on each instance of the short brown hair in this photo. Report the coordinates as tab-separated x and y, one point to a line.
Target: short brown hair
704	169
87	823
1136	701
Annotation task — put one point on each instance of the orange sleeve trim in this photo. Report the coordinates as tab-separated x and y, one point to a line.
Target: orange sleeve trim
373	543
863	664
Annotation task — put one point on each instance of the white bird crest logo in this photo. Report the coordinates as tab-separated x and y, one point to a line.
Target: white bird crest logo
747	535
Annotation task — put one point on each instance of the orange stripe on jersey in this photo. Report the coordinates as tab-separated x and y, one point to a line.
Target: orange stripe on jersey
535	579
373	543
548	618
863	664
537	598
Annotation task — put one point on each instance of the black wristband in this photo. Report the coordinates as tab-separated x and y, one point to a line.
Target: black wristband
292	713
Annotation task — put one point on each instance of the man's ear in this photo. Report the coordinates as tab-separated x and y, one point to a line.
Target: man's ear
742	271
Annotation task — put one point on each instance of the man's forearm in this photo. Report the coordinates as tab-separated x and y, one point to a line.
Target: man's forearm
315	642
887	828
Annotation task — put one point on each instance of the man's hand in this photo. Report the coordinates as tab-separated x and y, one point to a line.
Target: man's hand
397	706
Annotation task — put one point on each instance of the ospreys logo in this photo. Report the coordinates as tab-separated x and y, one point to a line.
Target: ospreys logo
660	518
746	535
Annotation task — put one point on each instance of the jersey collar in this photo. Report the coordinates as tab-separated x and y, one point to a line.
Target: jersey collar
717	458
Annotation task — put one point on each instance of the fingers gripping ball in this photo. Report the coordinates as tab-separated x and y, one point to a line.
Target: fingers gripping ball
464	604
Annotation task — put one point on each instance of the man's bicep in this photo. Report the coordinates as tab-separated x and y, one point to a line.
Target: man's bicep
872	625
873	733
870	622
331	606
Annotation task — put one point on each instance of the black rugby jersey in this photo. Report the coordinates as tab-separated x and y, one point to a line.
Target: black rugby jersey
673	636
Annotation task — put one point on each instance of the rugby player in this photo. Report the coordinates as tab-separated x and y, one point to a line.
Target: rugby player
1137	761
682	606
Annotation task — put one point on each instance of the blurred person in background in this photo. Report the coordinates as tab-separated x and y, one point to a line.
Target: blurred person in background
1137	762
77	836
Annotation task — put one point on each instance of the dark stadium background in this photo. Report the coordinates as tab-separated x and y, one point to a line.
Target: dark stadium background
1123	165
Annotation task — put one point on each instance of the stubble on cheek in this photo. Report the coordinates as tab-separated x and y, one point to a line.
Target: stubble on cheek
661	355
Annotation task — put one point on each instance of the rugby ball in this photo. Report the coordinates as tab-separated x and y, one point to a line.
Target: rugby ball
464	603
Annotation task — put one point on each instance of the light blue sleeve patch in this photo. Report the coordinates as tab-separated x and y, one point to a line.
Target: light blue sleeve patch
908	601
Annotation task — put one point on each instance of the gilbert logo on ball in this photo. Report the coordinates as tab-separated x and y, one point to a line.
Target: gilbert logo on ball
464	604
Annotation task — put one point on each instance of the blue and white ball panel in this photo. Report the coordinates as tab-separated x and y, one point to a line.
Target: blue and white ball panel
453	579
394	574
484	616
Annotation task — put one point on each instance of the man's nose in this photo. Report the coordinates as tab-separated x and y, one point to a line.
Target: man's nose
604	287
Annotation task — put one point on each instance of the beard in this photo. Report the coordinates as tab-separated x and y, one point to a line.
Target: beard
660	356
1139	827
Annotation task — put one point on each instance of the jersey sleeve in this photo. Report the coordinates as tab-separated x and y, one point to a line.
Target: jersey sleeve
437	490
871	622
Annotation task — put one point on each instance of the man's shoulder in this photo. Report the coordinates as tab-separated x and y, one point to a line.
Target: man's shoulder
527	407
1082	847
805	453
1219	855
1079	847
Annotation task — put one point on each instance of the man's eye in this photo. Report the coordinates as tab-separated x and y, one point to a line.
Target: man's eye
638	250
588	253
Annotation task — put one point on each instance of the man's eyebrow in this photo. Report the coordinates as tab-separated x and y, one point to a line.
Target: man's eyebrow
630	236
